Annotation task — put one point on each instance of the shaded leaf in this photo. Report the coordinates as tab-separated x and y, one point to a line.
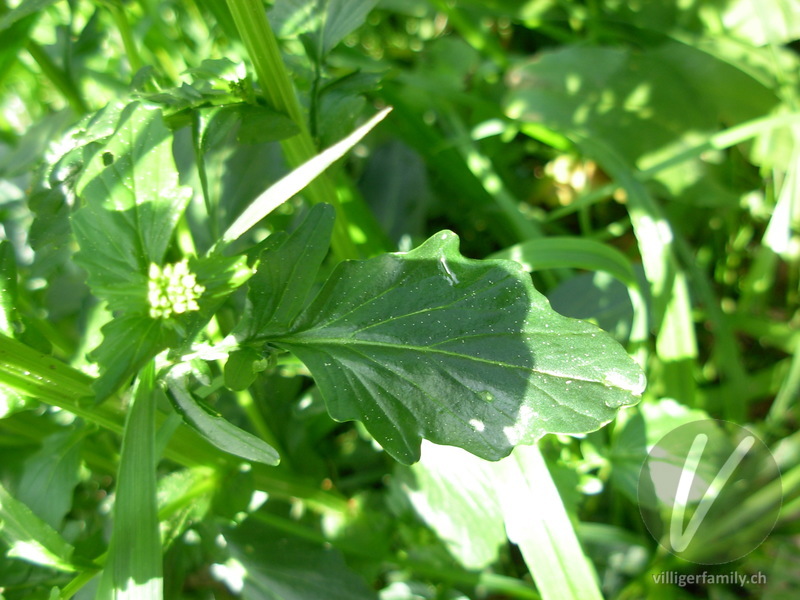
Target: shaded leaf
128	343
286	272
49	477
240	368
648	106
277	567
461	352
112	255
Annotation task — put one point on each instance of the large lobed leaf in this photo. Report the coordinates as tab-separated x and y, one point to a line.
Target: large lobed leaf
461	352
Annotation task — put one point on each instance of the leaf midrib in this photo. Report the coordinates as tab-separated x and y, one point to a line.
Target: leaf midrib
295	341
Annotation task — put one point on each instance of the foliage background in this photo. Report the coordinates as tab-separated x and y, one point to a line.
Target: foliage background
639	158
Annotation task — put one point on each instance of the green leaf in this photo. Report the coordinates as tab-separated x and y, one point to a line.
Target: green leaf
241	368
537	521
297	180
260	124
49	477
559	252
286	272
132	202
220	276
30	538
220	432
461	352
10	400
133	567
632	442
453	492
128	343
277	567
112	255
22	10
8	288
324	22
648	105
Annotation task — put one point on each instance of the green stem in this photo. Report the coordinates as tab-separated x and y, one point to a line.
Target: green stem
262	47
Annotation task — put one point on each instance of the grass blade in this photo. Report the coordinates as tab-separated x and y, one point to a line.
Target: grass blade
133	568
294	182
537	521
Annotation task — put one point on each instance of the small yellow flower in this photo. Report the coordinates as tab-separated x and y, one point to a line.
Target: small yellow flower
172	290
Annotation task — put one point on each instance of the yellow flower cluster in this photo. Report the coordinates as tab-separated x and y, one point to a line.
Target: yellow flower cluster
172	290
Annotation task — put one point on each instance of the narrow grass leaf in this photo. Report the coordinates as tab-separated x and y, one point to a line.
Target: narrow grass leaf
133	569
8	288
295	181
537	521
29	537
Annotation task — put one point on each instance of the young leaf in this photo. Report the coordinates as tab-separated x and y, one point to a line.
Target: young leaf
133	567
30	538
240	368
461	352
217	430
279	289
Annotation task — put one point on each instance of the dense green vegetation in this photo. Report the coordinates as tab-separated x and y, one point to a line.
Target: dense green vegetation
262	337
